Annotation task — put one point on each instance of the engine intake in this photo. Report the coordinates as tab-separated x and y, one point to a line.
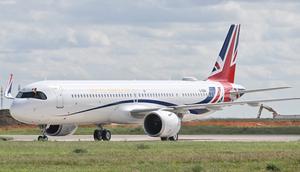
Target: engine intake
60	130
161	124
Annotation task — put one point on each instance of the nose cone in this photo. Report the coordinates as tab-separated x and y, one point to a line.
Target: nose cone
20	111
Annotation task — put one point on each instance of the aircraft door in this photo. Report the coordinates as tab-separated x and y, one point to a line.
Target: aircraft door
135	96
59	98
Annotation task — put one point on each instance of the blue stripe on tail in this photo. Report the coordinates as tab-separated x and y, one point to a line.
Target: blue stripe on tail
226	42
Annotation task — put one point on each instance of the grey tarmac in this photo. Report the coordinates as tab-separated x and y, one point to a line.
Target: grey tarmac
217	138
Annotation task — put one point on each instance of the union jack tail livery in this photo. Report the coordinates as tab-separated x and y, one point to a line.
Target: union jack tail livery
224	68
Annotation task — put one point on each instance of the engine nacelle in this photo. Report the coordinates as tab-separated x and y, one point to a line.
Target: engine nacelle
60	130
162	124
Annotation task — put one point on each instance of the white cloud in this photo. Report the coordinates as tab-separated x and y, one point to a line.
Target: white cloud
7	2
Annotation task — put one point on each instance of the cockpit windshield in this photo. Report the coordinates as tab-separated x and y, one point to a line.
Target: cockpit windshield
32	94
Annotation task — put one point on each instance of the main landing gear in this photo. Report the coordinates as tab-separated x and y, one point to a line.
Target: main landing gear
43	137
173	138
102	134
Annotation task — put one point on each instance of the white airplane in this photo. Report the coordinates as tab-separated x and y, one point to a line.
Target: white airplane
58	107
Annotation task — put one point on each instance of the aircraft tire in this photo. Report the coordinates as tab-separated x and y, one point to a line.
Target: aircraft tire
164	138
106	135
98	135
42	138
174	138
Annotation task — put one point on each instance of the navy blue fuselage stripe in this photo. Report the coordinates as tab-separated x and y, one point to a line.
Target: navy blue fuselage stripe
226	42
156	102
127	101
104	106
210	96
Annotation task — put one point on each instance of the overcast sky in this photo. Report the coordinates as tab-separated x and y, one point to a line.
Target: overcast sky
152	39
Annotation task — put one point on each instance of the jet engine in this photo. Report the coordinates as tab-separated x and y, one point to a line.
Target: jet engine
60	130
162	124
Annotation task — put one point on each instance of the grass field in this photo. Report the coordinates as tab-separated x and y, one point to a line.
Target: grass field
88	130
149	156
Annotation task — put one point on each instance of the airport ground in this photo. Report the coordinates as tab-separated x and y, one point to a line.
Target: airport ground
146	138
216	126
215	152
276	149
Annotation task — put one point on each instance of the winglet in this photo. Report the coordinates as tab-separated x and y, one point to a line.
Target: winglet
7	93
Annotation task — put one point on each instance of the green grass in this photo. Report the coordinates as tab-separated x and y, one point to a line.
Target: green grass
184	130
20	131
239	130
149	156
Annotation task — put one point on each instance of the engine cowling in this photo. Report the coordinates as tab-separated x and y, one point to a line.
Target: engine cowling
161	124
60	130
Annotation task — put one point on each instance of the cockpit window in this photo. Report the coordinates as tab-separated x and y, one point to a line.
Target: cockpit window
31	94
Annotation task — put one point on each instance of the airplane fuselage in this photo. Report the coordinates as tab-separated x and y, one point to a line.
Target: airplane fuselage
98	102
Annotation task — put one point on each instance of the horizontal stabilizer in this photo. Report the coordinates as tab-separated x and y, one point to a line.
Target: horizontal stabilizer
257	90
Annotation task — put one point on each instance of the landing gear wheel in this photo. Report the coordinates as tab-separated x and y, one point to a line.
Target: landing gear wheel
106	135
174	138
164	138
98	135
43	138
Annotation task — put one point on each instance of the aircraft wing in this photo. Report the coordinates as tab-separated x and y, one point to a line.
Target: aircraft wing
139	113
257	90
250	103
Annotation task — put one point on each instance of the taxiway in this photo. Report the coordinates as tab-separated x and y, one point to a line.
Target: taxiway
238	138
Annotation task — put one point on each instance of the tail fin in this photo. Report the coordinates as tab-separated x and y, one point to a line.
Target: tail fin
224	68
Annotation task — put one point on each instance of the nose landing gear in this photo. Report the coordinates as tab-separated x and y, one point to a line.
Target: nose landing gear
102	134
43	137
